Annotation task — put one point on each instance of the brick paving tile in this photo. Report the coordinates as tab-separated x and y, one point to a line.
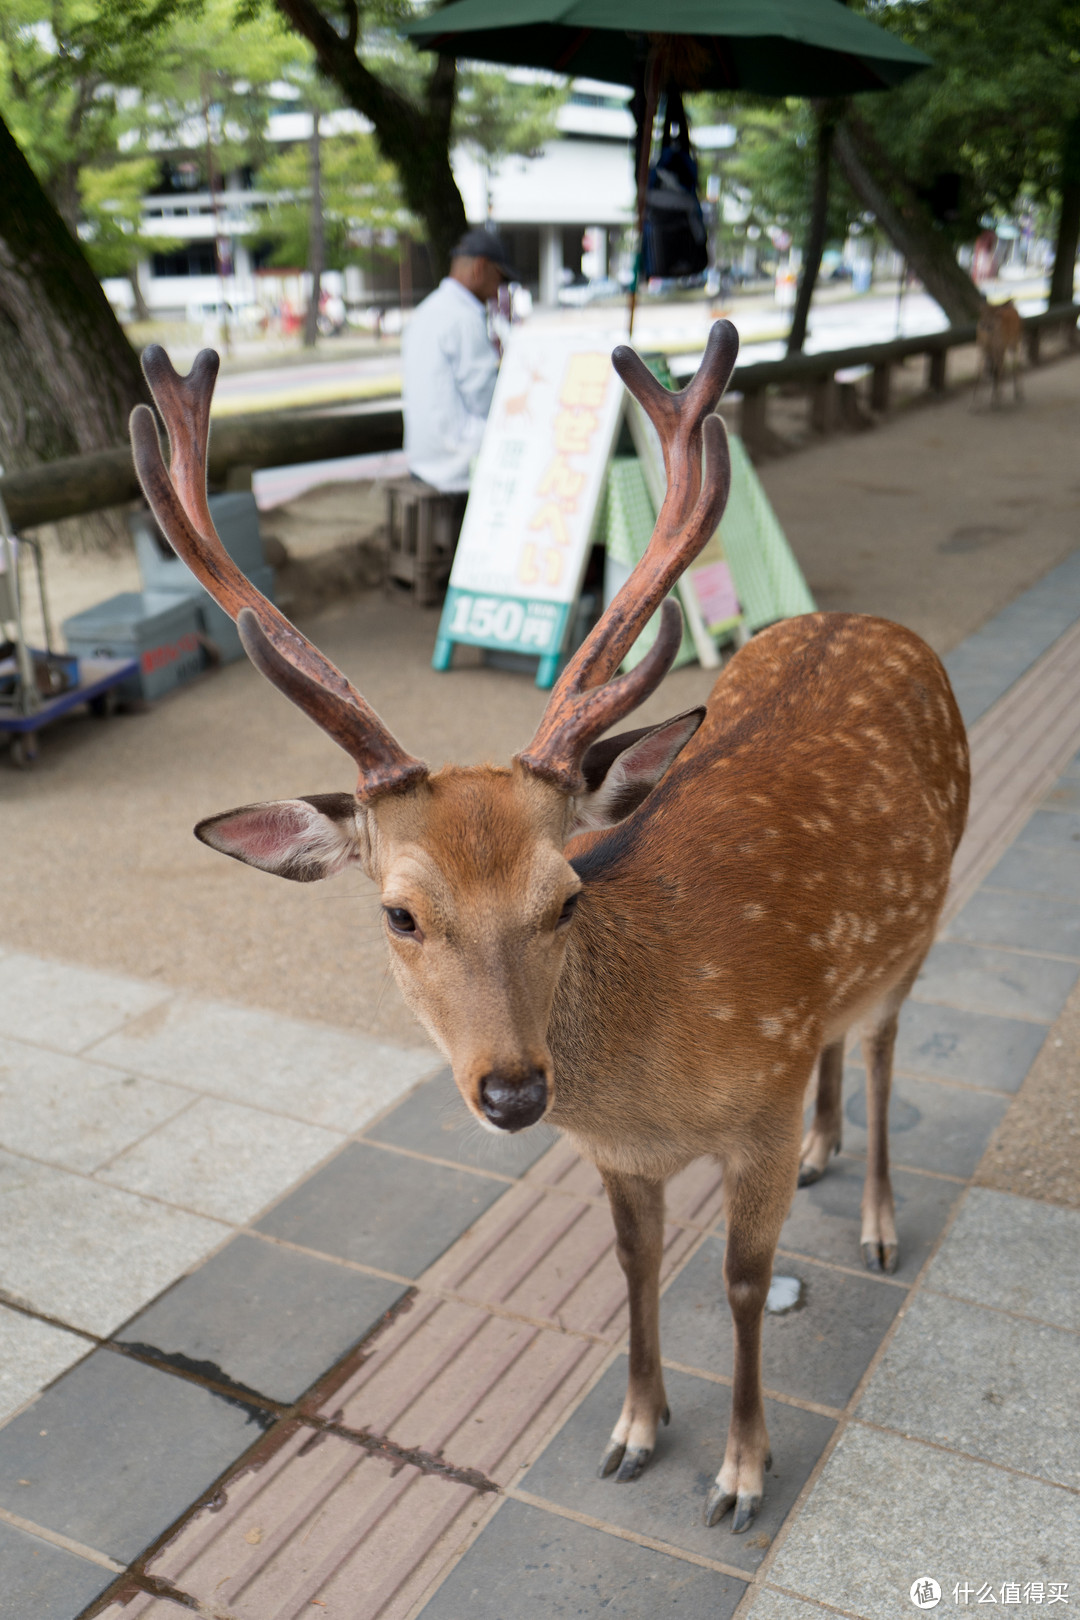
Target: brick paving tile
693	1195
932	1125
262	1317
529	1562
816	1352
665	1503
453	1381
41	1581
144	1607
549	1256
321	1523
434	1120
382	1208
115	1450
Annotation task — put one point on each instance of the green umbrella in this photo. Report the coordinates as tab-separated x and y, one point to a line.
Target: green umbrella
774	47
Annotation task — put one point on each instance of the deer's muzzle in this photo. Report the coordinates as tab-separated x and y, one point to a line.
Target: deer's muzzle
514	1101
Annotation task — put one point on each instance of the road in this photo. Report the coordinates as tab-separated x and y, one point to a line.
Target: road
839	319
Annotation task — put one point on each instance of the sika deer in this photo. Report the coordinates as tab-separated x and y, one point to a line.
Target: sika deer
997	336
649	940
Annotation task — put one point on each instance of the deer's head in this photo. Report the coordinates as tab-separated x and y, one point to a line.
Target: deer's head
478	894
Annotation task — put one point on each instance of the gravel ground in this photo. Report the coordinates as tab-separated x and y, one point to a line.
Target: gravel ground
1036	1151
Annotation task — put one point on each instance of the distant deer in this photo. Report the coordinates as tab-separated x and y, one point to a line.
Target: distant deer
997	336
651	939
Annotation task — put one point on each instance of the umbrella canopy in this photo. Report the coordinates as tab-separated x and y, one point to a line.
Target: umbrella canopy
773	47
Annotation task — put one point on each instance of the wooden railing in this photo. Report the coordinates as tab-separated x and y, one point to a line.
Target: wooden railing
832	395
79	484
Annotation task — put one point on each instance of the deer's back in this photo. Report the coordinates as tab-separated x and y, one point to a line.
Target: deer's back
790	864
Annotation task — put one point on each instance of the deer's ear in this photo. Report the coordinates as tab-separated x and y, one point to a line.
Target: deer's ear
302	839
621	772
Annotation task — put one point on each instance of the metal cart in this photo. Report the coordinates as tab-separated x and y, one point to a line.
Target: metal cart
39	685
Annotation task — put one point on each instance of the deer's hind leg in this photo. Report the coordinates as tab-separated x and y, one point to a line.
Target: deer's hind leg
637	1207
822	1140
878	1238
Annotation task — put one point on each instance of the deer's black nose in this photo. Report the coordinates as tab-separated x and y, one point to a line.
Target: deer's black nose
513	1101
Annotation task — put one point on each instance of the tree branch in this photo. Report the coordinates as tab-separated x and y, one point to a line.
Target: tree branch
873	181
338	59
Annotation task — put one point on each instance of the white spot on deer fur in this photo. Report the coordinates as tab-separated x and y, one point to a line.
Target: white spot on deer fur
724	1014
753	911
771	1028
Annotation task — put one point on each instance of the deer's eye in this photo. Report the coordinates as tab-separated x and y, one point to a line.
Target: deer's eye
400	920
567	913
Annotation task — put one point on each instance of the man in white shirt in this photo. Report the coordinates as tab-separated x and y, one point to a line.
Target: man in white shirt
449	364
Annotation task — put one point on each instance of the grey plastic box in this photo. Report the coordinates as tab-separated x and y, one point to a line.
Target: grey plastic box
160	628
236	519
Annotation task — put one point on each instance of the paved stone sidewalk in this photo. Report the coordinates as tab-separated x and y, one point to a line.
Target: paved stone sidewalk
383	1379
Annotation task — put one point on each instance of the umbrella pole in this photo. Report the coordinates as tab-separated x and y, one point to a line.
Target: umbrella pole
652	97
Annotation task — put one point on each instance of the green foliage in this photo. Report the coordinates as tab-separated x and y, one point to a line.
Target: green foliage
214	84
360	197
66	70
111	215
772	168
994	108
498	116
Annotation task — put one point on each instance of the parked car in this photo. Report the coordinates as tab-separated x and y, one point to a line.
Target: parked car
577	294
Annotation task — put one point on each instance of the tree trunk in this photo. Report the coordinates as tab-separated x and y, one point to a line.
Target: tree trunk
819	217
316	251
68	376
903	219
415	139
1068	238
142	308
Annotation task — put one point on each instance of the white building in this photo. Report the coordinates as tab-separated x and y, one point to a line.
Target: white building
571	201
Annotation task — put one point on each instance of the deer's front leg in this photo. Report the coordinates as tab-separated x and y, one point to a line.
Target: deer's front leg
637	1207
758	1198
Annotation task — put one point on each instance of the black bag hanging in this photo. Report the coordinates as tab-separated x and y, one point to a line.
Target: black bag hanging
674	242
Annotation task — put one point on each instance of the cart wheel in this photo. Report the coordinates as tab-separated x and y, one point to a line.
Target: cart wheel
23	752
103	705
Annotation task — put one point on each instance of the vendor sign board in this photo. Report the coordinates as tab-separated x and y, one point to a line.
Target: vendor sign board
535	497
706	590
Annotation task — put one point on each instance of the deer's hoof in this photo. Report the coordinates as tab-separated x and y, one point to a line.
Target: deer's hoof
808	1174
717	1503
881	1256
632	1464
611	1459
746	1508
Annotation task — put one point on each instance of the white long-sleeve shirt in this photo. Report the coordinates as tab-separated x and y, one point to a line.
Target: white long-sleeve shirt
449	368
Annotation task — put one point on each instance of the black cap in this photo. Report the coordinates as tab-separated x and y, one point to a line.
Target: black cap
480	243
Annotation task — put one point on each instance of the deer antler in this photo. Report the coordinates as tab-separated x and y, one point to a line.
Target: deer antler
586	701
177	498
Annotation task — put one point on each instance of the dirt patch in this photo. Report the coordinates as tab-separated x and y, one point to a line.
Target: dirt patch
1036	1148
